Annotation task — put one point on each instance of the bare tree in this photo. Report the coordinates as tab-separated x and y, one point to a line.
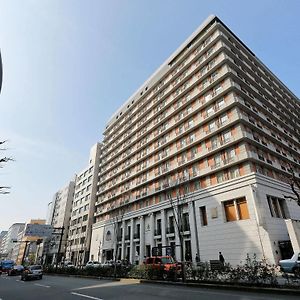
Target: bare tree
117	222
295	185
3	160
177	205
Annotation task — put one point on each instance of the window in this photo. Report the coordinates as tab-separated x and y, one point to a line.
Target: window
203	216
226	136
223	119
278	207
230	211
236	209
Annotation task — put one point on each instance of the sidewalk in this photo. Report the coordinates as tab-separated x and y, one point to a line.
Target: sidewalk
281	289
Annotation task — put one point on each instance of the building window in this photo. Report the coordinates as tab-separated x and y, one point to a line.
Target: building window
203	216
236	209
278	207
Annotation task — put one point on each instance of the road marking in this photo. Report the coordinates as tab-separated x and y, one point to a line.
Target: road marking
46	286
86	296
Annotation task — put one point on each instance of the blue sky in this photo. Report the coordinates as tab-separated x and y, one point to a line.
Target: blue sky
69	65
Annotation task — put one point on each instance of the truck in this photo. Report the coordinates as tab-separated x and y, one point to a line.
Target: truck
6	265
291	265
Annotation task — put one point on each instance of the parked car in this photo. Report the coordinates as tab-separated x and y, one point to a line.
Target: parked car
164	264
68	264
16	270
92	264
291	265
32	272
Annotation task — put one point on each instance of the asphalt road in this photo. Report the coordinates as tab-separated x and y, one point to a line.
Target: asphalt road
56	288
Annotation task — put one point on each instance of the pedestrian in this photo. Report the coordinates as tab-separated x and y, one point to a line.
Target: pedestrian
221	258
197	258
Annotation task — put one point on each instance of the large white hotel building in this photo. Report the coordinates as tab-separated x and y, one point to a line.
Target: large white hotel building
216	133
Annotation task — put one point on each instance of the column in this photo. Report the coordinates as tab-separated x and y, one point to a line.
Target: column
142	239
163	230
132	250
152	228
123	241
193	231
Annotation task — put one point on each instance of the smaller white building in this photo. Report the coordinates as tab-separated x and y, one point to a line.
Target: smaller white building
61	206
83	208
11	236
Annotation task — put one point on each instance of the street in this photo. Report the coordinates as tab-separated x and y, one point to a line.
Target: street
57	287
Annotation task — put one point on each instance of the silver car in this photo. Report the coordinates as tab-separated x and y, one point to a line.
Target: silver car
31	272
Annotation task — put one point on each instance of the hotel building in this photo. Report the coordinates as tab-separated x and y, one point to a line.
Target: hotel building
213	134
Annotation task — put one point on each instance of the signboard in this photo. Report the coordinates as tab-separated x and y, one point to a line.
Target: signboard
40	230
169	251
156	251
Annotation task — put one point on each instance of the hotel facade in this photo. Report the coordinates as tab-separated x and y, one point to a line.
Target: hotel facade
201	156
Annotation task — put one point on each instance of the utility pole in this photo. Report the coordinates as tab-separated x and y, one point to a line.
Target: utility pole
24	253
60	242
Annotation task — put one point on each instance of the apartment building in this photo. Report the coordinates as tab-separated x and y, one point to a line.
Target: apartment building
201	156
3	235
59	212
10	238
83	209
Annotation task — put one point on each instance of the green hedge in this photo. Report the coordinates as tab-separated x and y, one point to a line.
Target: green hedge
252	272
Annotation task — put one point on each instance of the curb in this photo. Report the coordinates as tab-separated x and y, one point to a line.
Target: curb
84	276
254	289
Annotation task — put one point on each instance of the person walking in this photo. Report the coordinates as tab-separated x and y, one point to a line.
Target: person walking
221	258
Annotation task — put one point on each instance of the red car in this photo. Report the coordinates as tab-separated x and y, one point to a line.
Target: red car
165	264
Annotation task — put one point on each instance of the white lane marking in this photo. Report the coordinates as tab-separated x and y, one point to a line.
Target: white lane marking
85	296
17	280
46	286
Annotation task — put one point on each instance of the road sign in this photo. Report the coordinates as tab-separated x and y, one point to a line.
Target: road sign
39	230
169	251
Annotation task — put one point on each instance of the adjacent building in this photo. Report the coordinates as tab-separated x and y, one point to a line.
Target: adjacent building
27	244
10	239
201	156
2	241
59	214
83	209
